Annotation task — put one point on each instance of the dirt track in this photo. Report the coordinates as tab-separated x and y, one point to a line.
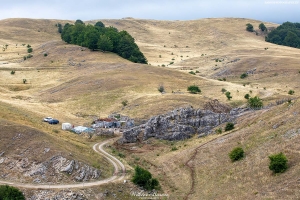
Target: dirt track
118	175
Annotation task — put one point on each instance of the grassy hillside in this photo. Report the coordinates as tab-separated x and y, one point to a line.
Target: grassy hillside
75	84
200	168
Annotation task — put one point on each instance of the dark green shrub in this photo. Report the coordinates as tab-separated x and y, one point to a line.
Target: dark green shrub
10	193
255	102
229	126
247	96
121	155
161	88
262	27
249	27
223	90
124	103
12	72
236	154
143	178
291	92
29	50
191	72
24	81
29	56
278	163
219	130
174	149
194	89
244	75
45	54
228	95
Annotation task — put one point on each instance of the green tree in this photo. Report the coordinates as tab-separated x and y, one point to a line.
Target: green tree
236	154
291	92
59	28
91	38
100	24
194	89
10	193
104	43
255	102
262	27
229	126
29	50
243	75
77	34
227	94
143	178
114	36
291	40
278	163
247	96
249	27
66	33
78	21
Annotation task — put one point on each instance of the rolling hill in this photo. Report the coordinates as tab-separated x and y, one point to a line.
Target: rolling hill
74	84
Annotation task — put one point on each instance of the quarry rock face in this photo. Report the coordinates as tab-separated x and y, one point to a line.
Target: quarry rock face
180	124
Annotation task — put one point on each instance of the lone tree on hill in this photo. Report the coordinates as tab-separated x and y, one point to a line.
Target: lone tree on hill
278	163
255	102
262	27
236	154
194	89
143	178
249	27
228	95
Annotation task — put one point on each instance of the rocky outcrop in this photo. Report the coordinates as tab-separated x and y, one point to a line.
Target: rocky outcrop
57	164
180	124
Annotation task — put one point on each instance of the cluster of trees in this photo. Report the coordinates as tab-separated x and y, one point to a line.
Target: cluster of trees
99	37
261	26
287	34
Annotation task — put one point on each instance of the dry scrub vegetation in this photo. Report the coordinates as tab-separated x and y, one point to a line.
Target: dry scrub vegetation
73	83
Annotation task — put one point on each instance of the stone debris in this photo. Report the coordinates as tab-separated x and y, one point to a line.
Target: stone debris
53	195
292	133
53	167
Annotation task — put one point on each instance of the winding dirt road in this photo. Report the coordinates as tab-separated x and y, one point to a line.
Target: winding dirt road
118	175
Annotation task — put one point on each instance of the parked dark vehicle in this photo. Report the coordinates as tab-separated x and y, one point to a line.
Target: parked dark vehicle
53	121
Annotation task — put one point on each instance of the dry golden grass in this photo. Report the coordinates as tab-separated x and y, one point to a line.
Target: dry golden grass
72	83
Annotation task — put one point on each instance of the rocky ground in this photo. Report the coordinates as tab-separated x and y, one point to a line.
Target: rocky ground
56	169
183	123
